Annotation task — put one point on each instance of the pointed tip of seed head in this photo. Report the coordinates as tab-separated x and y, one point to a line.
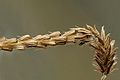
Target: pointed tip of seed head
88	26
102	33
102	30
112	42
76	26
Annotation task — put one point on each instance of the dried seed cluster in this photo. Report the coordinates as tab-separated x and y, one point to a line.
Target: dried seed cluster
42	41
105	52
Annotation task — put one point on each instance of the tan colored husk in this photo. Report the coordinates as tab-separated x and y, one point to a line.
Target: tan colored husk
105	53
42	41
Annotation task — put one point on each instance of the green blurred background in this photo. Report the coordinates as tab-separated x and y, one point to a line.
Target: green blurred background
69	62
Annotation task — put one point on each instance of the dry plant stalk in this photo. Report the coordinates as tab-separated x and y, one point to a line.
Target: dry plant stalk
105	52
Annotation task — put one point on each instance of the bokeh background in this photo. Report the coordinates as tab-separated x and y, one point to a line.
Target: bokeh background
69	62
